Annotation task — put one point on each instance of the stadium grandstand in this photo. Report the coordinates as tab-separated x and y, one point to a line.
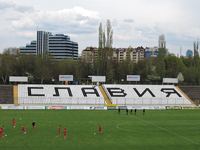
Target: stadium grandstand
103	96
148	95
193	93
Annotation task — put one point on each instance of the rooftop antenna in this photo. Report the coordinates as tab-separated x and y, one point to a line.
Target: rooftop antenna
37	28
180	51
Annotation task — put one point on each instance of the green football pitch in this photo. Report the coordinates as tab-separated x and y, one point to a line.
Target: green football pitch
155	130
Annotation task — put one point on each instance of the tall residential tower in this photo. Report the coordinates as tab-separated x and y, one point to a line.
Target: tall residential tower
196	49
42	43
59	46
162	41
106	36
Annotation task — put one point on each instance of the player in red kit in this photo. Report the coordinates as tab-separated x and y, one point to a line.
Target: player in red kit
1	132
14	123
23	129
59	130
100	129
65	133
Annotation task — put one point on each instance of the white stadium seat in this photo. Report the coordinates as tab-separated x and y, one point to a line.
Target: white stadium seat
46	95
122	95
154	95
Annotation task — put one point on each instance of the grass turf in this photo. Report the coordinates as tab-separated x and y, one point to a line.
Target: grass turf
170	129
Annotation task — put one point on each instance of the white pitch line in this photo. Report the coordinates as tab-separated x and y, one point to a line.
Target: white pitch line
166	130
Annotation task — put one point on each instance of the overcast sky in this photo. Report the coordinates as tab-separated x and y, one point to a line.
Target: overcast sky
135	22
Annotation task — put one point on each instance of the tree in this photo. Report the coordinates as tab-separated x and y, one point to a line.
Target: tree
180	77
161	67
42	69
174	65
162	52
7	67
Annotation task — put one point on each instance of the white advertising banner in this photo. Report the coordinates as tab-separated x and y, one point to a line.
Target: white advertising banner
12	107
18	79
170	80
133	78
98	79
35	107
66	78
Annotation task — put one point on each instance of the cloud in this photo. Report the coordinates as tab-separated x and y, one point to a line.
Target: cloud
138	22
5	5
76	20
128	20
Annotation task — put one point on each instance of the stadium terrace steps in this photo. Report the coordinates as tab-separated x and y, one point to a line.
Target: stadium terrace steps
193	92
146	95
6	94
105	95
106	98
39	94
15	94
186	95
